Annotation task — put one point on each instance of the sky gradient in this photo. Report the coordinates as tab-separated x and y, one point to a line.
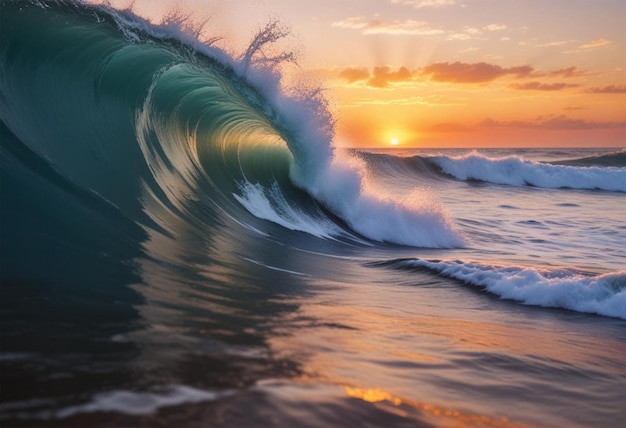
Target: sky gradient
448	73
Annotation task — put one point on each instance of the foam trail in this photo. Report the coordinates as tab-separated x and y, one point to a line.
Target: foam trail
270	204
516	171
141	403
602	294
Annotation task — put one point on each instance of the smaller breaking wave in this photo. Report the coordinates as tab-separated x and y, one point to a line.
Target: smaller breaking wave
559	288
617	159
517	171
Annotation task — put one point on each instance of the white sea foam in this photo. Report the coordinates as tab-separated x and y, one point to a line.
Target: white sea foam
601	294
270	204
141	403
126	402
416	220
516	171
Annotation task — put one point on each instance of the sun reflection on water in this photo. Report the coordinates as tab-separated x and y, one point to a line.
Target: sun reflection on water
445	416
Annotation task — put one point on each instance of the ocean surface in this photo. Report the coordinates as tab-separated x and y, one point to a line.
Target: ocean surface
183	245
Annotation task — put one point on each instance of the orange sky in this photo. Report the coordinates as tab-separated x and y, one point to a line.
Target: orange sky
449	73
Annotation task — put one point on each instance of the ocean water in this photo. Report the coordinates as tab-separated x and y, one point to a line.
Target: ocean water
183	245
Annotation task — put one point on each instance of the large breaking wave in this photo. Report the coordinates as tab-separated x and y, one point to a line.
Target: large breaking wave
147	120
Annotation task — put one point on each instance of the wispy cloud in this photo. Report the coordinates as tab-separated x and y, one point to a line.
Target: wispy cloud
572	71
473	33
460	36
538	86
470	49
553	44
419	4
415	27
495	27
397	27
610	89
596	44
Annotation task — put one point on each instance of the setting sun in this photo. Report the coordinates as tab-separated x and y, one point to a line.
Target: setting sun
394	142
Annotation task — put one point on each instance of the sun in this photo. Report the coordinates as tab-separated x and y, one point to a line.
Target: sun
394	141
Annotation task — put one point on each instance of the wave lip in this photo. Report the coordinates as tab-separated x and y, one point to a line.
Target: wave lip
516	171
560	288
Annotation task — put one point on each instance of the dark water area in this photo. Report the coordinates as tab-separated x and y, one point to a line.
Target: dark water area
182	245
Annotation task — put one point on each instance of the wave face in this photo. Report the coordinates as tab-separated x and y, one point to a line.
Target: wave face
559	288
144	118
516	171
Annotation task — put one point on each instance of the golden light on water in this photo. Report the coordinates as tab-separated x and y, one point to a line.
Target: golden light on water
444	416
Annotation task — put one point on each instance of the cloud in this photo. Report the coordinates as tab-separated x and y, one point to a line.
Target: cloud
575	108
610	89
352	75
473	30
567	72
474	33
397	27
538	86
459	72
596	44
413	27
419	4
494	27
553	44
553	123
460	36
380	77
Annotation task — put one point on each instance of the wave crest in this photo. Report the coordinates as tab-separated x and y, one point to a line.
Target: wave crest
516	171
558	288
